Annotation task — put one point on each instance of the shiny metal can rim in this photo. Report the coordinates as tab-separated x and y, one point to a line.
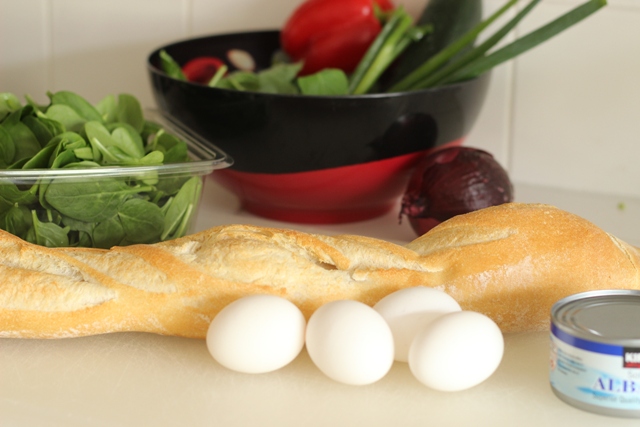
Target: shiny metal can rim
597	316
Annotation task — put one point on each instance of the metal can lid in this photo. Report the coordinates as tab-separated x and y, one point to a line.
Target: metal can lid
611	316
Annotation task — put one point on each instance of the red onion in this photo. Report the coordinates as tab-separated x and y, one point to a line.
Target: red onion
454	181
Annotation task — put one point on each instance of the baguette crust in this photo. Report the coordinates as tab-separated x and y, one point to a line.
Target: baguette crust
510	262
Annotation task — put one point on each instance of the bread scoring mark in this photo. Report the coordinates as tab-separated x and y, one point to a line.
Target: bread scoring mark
186	250
625	249
447	238
21	289
40	261
127	269
367	253
326	266
264	257
309	246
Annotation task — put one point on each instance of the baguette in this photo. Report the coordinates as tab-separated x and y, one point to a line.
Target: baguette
510	262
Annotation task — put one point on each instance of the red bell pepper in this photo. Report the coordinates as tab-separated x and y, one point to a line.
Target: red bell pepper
201	69
331	33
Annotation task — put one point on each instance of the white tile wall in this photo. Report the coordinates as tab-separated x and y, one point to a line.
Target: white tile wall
25	46
99	47
492	130
566	114
587	126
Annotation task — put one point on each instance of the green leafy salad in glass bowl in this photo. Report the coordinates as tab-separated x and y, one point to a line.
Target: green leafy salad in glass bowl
103	175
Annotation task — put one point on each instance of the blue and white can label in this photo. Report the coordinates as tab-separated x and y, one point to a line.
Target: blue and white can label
595	373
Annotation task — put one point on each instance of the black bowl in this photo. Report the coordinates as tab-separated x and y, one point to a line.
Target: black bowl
313	158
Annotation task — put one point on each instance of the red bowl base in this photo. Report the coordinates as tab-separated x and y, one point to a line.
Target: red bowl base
327	196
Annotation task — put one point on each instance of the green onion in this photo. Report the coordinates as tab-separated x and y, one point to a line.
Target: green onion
527	42
220	72
447	53
170	66
475	53
394	38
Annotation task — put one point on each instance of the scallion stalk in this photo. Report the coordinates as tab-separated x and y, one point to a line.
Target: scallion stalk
457	64
527	42
220	72
447	53
170	66
391	42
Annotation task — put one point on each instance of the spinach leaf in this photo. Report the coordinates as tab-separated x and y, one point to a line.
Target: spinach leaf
279	79
25	142
7	148
127	138
64	158
66	116
84	153
78	104
153	158
48	234
8	104
76	225
66	141
107	234
149	131
79	232
177	154
181	207
92	201
83	164
326	82
39	128
38	108
129	111
175	150
168	186
41	159
240	80
183	226
70	133
123	146
141	220
16	220
11	195
81	239
55	127
108	109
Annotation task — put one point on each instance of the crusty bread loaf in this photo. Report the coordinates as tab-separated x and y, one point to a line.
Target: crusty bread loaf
511	262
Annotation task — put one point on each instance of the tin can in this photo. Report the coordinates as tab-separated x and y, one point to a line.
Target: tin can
595	352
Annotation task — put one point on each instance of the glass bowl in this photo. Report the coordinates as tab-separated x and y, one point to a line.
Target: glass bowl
110	206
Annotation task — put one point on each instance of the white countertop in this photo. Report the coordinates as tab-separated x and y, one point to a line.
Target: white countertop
135	379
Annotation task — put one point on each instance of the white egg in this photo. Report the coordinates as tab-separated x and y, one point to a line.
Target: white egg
257	334
409	310
456	351
350	342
